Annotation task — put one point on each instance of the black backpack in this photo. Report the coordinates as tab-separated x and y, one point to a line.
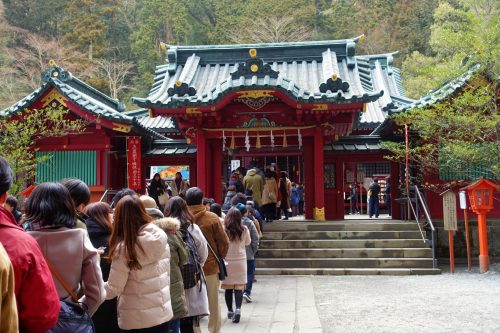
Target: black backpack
191	271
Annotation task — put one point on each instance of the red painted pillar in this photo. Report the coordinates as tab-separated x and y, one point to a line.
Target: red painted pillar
216	172
484	259
308	176
319	176
201	160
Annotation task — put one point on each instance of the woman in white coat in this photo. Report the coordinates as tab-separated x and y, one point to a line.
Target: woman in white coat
140	269
196	298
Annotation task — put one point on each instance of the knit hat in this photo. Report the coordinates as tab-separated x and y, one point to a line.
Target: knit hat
242	208
250	203
148	202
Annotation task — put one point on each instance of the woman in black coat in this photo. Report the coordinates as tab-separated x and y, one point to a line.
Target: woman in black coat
99	228
156	188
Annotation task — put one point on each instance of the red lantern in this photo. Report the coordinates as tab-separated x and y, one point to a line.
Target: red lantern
481	199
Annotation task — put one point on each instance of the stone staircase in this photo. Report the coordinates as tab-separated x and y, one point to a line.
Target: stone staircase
354	247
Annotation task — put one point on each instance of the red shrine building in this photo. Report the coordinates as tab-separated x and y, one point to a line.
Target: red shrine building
314	109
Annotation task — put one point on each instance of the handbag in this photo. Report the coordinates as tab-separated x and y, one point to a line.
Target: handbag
163	199
220	262
73	315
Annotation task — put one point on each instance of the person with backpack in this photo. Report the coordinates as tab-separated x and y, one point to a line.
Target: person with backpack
180	258
218	241
196	244
239	238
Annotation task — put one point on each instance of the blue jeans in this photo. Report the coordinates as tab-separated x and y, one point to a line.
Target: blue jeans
250	275
373	207
174	326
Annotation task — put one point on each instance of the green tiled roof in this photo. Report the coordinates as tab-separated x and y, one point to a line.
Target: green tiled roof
80	94
447	90
303	71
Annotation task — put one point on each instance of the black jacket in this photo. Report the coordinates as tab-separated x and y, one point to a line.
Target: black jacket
100	238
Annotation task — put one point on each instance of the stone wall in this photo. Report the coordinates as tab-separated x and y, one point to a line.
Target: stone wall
442	250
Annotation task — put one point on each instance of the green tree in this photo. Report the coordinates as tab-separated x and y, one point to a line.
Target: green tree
464	32
19	134
159	21
461	132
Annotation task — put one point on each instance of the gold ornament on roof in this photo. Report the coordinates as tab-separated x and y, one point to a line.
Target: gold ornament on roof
52	63
178	83
362	39
252	53
254	68
334	77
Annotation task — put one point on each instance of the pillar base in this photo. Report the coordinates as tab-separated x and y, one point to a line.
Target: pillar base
484	263
319	214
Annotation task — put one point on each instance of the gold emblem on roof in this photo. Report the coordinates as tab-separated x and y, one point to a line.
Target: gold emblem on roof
252	53
52	63
334	77
178	83
254	68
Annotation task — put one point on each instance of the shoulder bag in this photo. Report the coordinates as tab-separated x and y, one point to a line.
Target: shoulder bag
73	316
220	261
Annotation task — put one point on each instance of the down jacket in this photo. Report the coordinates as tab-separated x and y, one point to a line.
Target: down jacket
178	257
144	294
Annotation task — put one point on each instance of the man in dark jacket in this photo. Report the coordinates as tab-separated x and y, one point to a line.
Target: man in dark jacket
373	200
213	231
36	295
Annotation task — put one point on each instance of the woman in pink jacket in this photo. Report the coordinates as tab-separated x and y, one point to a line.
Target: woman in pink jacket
236	258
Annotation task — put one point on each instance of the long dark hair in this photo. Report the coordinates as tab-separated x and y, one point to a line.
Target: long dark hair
50	205
99	212
129	217
177	207
233	224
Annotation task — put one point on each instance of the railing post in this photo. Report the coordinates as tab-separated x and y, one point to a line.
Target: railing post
433	248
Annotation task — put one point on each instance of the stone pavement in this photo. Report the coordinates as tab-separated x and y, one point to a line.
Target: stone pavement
282	304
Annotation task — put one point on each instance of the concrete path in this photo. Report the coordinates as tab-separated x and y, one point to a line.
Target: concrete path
281	304
460	302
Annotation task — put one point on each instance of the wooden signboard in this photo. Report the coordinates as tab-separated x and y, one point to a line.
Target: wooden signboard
450	211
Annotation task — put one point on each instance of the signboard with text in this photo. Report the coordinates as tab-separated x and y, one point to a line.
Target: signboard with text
134	172
450	211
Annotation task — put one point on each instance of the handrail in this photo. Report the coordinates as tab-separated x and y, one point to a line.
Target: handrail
423	204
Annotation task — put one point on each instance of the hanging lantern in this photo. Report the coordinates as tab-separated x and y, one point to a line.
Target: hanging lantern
233	144
223	140
272	139
299	138
285	143
247	141
257	142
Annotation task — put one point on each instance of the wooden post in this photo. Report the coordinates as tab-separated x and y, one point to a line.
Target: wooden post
467	241
484	260
452	252
319	176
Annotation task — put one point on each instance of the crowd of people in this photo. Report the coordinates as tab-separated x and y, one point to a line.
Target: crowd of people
135	265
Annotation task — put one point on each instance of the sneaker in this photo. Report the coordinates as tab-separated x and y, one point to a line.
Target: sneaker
230	315
237	316
247	298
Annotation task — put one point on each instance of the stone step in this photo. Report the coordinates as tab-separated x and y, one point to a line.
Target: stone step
301	235
340	226
347	271
345	263
343	243
347	253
